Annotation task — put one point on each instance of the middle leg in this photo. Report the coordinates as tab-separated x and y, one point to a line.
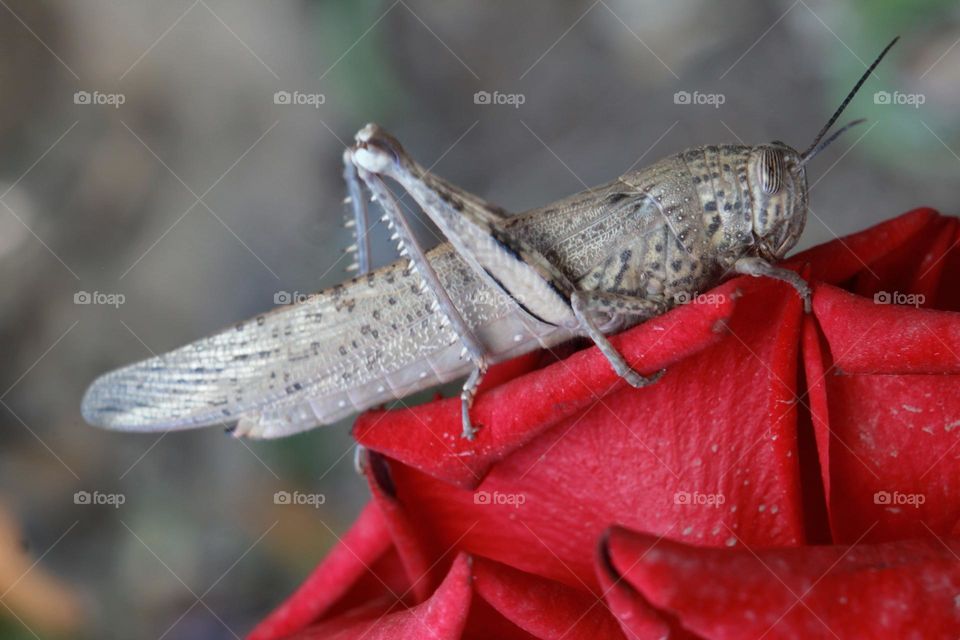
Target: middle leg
612	309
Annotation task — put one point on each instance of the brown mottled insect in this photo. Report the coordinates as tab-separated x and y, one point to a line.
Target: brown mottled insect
589	265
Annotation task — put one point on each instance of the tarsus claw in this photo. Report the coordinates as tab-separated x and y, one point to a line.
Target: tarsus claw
638	381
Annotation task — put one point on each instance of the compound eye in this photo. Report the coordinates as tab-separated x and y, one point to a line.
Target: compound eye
771	170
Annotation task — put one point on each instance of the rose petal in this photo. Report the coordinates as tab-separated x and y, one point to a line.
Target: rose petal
887	443
541	607
504	372
711	445
418	552
948	296
638	619
442	616
896	590
913	268
428	438
841	259
865	337
343	567
485	622
814	423
893	455
930	271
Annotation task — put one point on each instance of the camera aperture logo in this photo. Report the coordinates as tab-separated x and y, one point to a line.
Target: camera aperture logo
100	298
895	297
515	500
897	499
98	498
897	97
496	98
299	498
99	98
299	98
698	499
697	98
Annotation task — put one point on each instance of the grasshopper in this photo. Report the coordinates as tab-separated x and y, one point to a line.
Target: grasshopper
589	265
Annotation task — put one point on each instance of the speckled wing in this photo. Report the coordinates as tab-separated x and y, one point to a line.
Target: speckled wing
343	350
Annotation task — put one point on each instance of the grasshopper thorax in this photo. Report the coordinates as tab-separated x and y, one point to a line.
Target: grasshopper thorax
777	182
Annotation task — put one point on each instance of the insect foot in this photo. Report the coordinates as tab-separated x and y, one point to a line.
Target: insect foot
638	381
803	289
758	267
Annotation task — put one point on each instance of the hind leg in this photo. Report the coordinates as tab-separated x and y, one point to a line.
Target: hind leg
409	247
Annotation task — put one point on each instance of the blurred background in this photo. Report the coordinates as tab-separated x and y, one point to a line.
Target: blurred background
154	186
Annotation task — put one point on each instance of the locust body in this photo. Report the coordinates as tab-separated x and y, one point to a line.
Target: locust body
589	265
654	234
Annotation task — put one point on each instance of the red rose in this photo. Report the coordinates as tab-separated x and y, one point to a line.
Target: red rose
791	475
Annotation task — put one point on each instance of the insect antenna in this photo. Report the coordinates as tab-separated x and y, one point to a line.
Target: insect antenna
816	147
809	154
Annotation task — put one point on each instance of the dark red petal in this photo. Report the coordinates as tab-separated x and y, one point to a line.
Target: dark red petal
383	579
345	565
913	268
706	453
504	372
442	616
929	275
948	296
485	622
839	260
638	619
541	607
817	363
428	437
896	590
888	444
866	337
420	555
